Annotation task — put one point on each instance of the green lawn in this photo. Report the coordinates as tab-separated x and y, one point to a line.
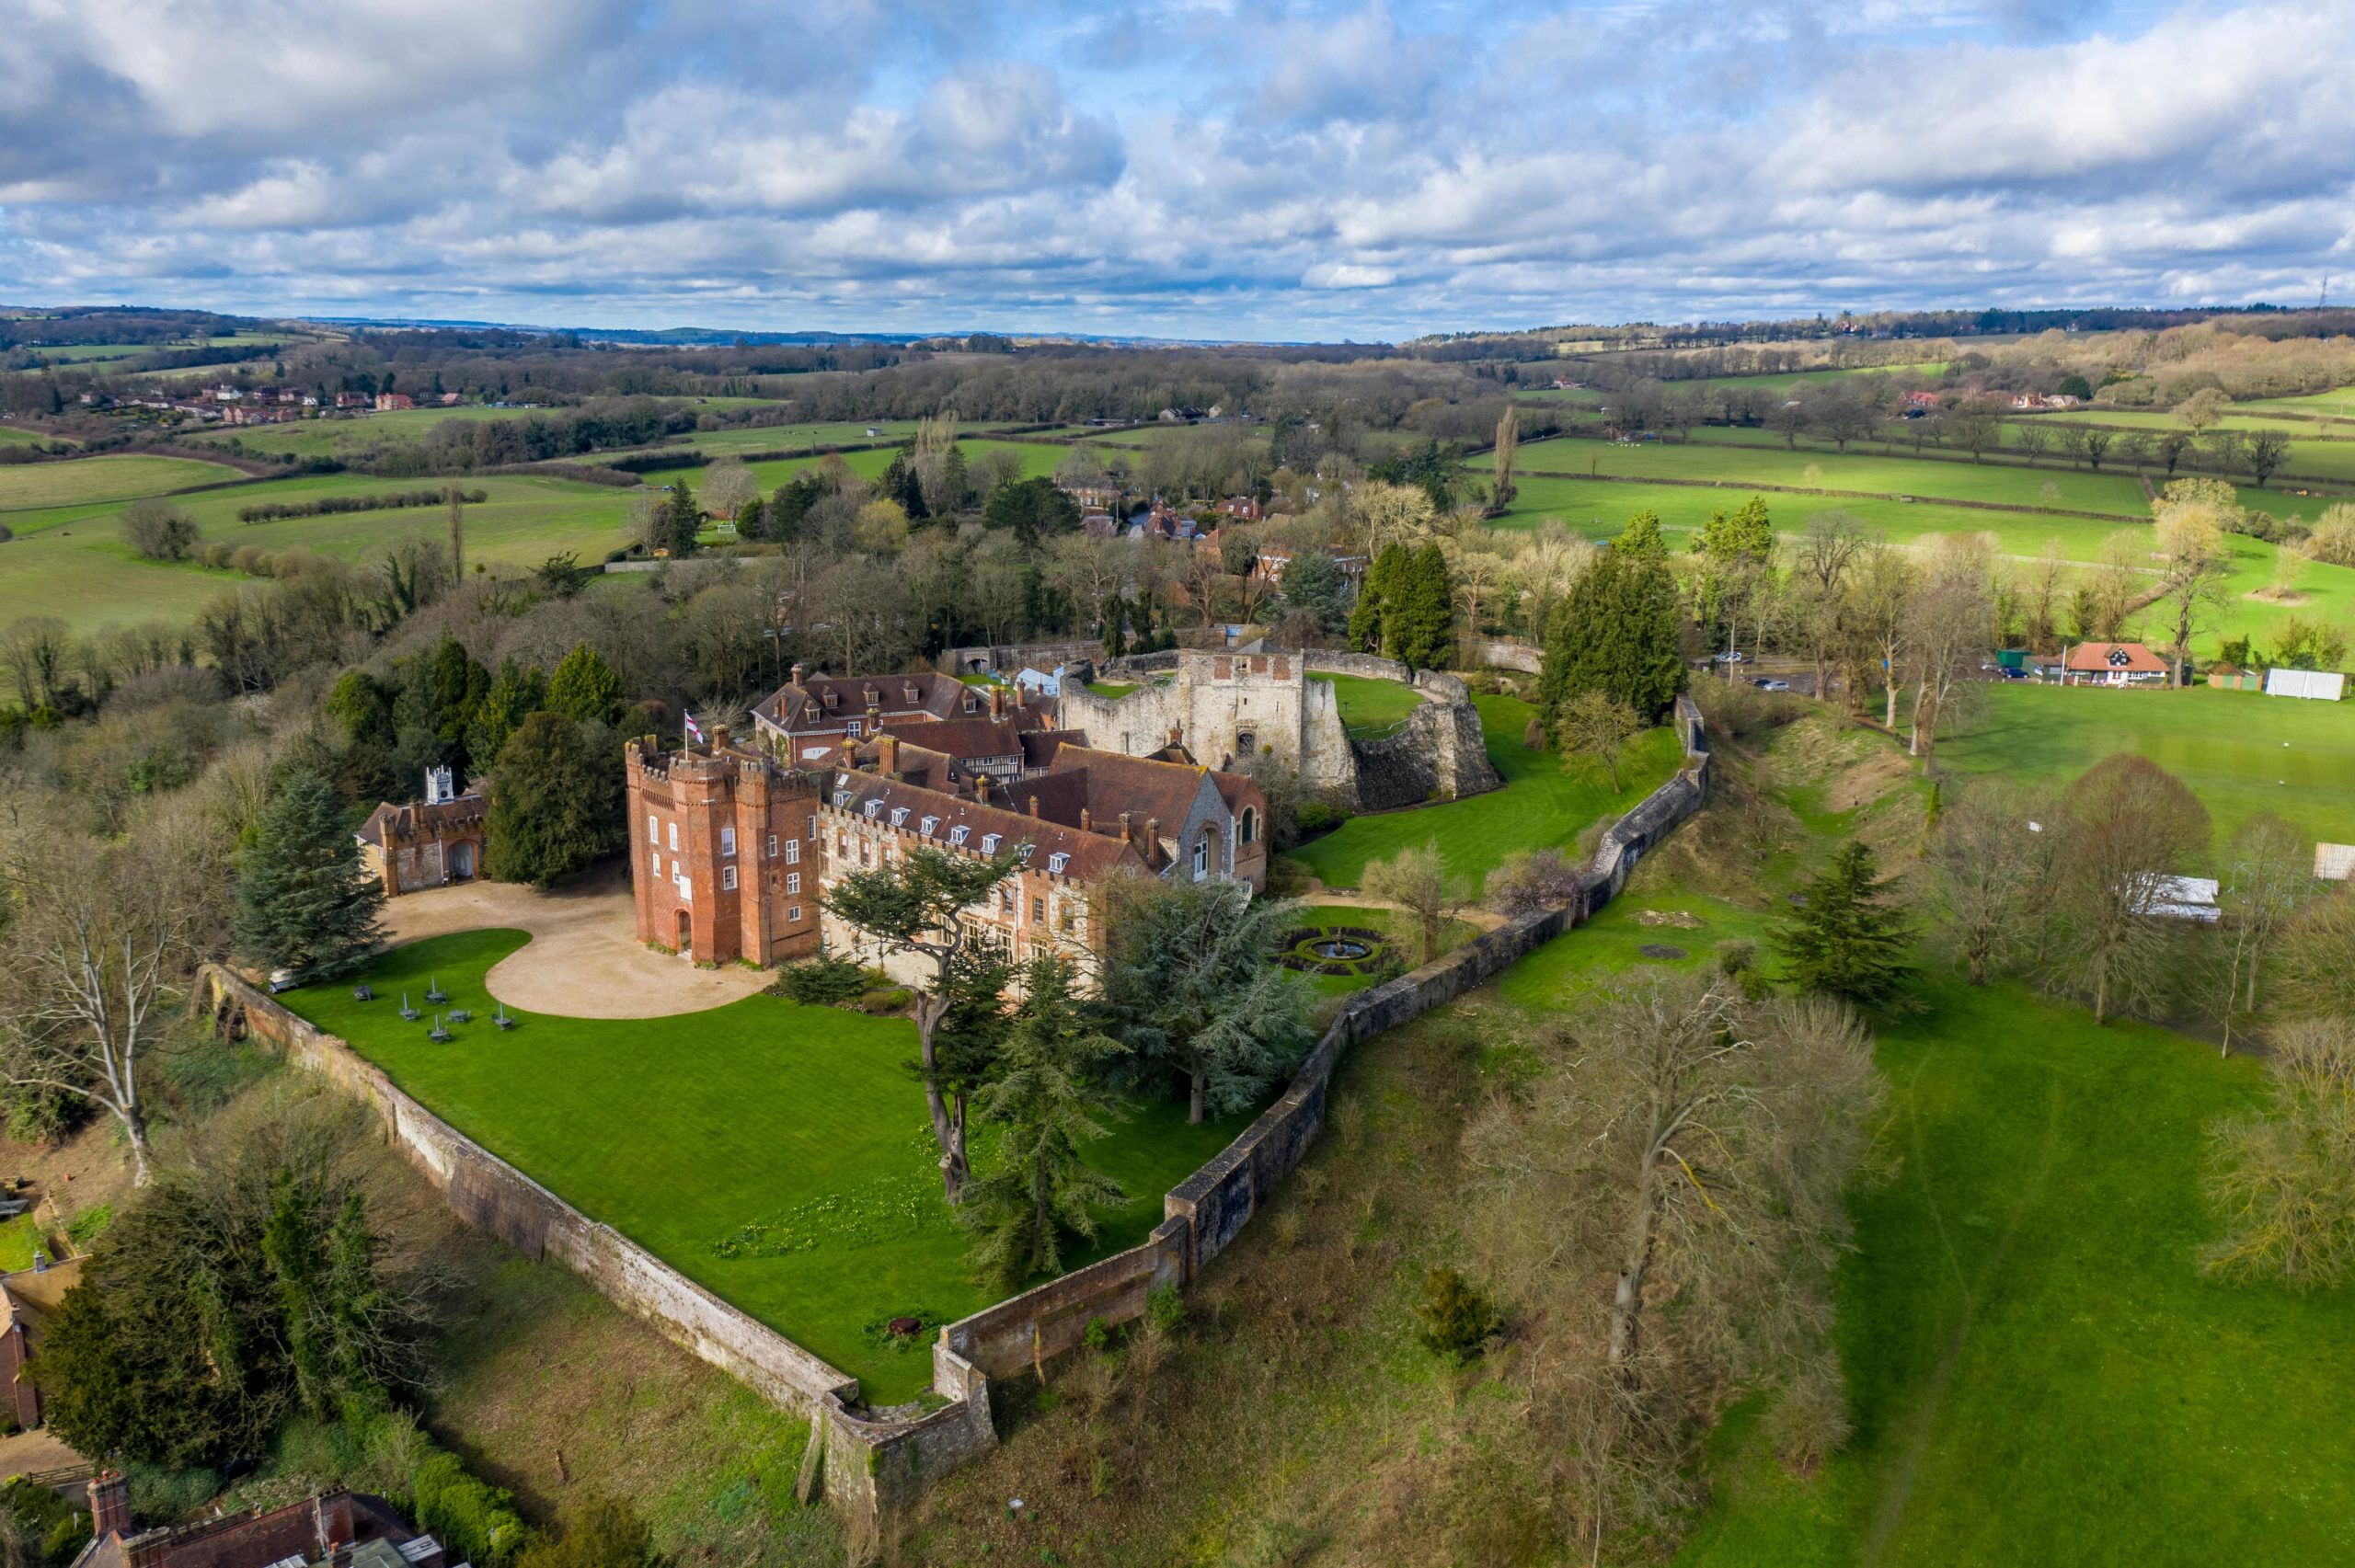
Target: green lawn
1371	707
16	435
1543	803
31	487
681	1132
2242	752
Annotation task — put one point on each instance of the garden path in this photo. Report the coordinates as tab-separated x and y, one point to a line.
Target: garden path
585	959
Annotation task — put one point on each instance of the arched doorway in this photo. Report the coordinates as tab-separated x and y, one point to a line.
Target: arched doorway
462	862
686	933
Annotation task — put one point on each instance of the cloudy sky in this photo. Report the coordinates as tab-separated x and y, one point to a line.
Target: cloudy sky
1198	168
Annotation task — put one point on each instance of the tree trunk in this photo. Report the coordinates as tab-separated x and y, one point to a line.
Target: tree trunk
1889	685
1194	1103
135	1128
948	1125
1628	1295
2101	997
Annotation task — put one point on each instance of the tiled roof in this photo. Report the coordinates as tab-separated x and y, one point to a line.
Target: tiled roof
390	823
1092	855
2135	659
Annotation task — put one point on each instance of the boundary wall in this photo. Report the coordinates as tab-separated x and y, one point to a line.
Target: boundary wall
873	1465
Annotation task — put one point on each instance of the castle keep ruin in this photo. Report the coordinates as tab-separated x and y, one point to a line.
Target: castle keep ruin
1225	708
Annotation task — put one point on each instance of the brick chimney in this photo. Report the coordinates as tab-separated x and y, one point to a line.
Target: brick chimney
887	754
1034	807
1021	694
997	702
1085	824
874	718
1152	836
719	738
109	1503
981	788
1177	735
796	672
1128	830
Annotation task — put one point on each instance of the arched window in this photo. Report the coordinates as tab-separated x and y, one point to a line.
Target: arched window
1249	833
1202	854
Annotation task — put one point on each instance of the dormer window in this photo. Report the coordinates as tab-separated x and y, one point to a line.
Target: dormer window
1022	853
830	699
1056	862
927	825
842	799
958	835
989	842
874	809
912	694
899	816
973	703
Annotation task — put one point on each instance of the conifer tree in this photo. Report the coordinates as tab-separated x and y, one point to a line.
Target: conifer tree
517	692
305	902
1047	1094
1385	581
1314	584
584	687
1849	939
548	816
1415	630
1617	631
682	521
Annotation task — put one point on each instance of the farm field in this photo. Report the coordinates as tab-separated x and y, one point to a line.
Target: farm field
31	487
2000	484
71	563
16	435
1036	460
1545	803
759	1114
2242	752
2340	403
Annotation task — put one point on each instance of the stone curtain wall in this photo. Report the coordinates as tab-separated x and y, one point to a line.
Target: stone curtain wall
872	1468
867	1466
1437	752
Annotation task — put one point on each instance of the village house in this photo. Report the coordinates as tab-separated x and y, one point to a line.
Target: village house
427	843
2112	664
388	401
28	1297
1273	564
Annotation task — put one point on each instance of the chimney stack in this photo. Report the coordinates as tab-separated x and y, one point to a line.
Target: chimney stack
997	702
1086	824
981	788
1128	830
1177	735
110	1504
1021	694
1152	836
719	738
1034	807
887	754
796	672
874	718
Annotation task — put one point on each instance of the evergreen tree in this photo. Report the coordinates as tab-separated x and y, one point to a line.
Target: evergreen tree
1047	1095
305	902
1116	630
517	692
1416	629
1617	631
1313	583
682	521
584	687
363	705
1848	939
1385	583
1032	509
549	804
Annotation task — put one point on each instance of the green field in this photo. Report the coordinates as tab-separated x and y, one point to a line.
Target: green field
2242	752
1545	804
348	436
1038	459
16	435
32	487
681	1132
70	562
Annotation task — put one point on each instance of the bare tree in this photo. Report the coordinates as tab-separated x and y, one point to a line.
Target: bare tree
1674	1143
1529	880
1827	554
2269	876
1879	600
1950	624
2318	954
1591	723
2190	518
728	488
2131	826
1417	880
1989	866
95	955
2283	1176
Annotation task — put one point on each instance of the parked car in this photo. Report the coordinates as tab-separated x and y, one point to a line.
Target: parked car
2015	674
1774	686
1734	655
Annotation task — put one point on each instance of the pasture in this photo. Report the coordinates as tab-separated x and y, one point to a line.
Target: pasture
1038	459
34	486
775	1153
2242	752
1547	802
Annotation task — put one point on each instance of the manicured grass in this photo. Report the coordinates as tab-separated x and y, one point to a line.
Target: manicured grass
2241	752
1369	706
680	1132
29	486
1544	803
1113	690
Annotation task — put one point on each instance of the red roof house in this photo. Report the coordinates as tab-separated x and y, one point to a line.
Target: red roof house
2113	664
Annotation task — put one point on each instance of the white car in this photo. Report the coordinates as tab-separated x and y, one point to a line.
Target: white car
1774	686
1731	657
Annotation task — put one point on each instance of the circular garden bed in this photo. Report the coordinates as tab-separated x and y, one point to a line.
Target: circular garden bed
1335	950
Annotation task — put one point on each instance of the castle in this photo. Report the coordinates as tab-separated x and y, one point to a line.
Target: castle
1228	708
731	849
